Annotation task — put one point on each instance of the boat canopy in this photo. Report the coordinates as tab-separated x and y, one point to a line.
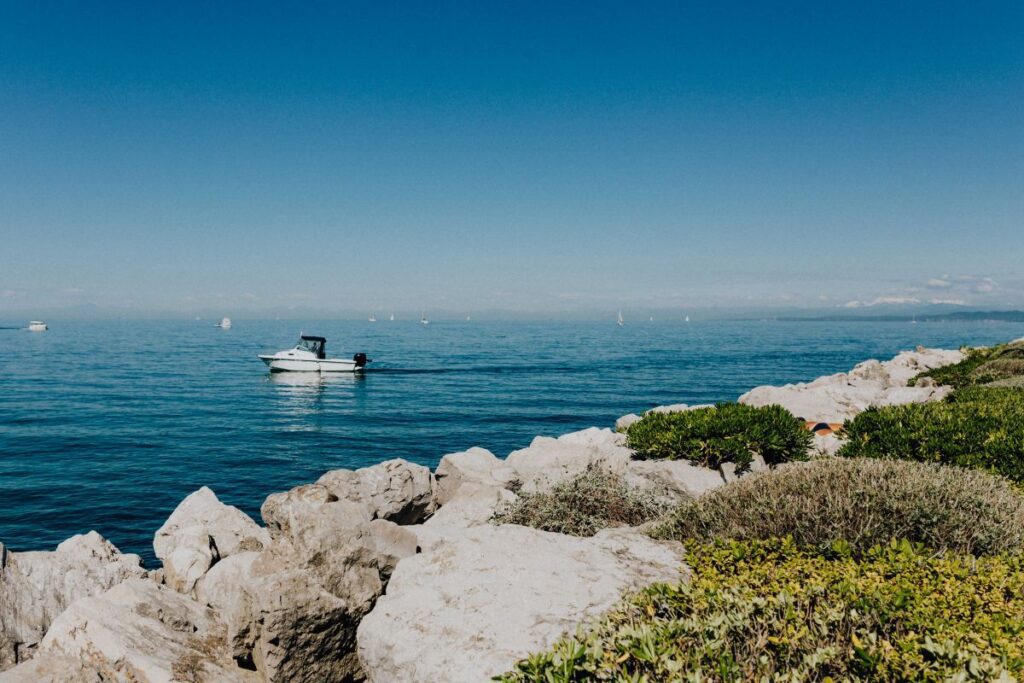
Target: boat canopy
316	345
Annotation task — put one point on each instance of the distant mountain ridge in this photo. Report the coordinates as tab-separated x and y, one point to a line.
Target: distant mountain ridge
956	316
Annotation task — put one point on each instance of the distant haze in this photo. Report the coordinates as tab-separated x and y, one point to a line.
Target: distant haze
510	160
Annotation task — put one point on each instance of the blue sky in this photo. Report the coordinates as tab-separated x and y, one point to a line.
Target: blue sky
512	156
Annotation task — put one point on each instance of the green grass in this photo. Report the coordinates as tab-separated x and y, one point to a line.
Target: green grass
728	432
771	611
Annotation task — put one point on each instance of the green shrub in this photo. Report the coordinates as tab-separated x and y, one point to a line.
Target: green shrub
728	432
769	611
850	505
595	500
980	427
1001	363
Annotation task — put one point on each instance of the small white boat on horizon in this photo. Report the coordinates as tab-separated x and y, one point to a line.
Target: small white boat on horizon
310	355
372	318
620	321
224	324
423	319
392	318
37	326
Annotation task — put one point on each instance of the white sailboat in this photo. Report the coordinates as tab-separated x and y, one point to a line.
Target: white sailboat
620	320
687	319
392	318
372	318
423	319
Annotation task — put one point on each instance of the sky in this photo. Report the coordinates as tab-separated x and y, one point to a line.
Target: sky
522	156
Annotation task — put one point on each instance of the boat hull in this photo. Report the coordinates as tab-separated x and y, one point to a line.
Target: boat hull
277	364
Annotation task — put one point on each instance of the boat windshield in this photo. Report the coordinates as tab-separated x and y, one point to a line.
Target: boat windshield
315	346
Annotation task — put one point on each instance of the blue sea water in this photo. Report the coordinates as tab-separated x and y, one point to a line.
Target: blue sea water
108	425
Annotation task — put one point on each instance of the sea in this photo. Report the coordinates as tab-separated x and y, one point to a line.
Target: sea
107	425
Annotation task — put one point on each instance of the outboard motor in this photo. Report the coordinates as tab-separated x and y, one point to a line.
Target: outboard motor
361	360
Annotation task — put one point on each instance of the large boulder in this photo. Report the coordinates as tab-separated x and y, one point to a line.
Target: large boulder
677	477
547	461
472	504
201	531
477	600
136	631
626	421
476	466
839	397
292	609
35	587
51	667
395	490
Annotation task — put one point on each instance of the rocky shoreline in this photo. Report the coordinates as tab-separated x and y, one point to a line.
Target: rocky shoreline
386	573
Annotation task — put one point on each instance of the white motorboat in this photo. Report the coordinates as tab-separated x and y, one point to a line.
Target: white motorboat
37	326
224	324
423	319
310	355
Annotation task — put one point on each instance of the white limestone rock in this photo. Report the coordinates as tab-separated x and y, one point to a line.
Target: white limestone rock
730	473
679	408
396	490
201	531
472	505
50	667
826	445
839	397
291	610
677	477
547	461
225	588
477	600
476	466
139	631
626	421
280	511
35	587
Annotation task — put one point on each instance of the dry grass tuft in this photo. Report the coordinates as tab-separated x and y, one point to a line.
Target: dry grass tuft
595	500
854	504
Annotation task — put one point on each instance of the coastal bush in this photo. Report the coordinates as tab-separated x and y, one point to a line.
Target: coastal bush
1003	363
977	427
582	506
728	432
851	505
769	610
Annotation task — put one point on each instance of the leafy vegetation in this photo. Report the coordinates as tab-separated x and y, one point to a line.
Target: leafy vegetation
769	610
1001	364
595	500
849	506
728	432
978	427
